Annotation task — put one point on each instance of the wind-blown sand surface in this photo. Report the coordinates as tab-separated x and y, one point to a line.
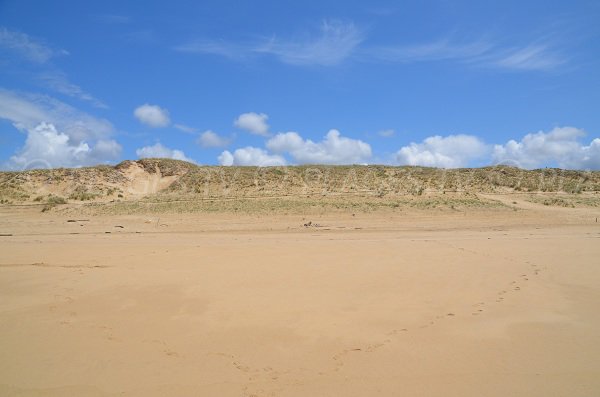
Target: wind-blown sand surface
489	302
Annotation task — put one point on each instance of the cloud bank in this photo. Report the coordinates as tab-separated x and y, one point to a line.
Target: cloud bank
58	135
333	149
45	147
250	156
559	147
452	151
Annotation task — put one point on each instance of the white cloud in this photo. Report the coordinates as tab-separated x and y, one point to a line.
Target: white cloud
59	82
58	135
285	142
483	52
590	158
531	57
250	156
334	149
106	149
211	139
152	115
26	111
452	151
160	151
255	123
335	42
48	148
226	158
339	40
433	51
27	47
559	147
387	133
185	128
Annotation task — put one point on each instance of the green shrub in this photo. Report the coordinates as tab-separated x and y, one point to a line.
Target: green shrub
55	200
82	196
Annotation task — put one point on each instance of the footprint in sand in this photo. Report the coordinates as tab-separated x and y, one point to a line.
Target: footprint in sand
338	363
396	331
375	346
171	353
241	367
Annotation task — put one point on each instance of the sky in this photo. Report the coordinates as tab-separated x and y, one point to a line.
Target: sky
434	83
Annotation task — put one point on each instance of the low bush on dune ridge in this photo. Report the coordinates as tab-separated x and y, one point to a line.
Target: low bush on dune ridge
55	200
565	200
52	201
82	196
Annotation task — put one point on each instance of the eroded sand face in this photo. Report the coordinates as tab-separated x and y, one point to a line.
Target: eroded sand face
488	303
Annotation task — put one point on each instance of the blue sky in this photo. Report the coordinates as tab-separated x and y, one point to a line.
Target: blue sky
435	83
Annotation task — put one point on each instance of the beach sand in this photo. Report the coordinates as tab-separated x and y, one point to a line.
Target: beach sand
412	303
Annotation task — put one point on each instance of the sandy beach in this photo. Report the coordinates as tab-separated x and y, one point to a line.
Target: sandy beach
475	303
299	199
